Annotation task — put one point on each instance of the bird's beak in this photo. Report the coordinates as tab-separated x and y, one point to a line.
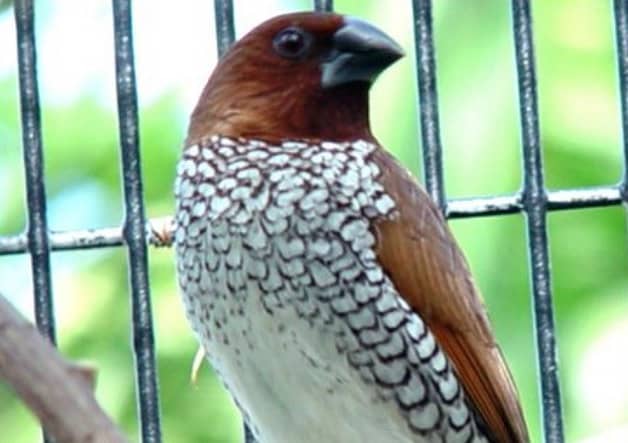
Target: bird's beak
360	53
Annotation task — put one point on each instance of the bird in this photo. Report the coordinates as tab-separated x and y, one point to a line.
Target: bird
320	279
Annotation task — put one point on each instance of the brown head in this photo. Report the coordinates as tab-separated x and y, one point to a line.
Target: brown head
297	76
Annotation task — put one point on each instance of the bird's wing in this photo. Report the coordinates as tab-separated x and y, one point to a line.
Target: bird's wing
420	255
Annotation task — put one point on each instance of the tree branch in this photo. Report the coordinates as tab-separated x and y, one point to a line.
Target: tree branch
58	392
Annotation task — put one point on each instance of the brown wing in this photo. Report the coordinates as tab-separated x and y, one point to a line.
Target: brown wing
428	269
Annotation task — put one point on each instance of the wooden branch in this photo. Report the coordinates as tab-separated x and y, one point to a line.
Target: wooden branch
58	392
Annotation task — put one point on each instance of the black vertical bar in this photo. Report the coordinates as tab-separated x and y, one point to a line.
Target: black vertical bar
621	33
535	205
248	435
324	5
225	29
134	225
34	168
225	36
428	102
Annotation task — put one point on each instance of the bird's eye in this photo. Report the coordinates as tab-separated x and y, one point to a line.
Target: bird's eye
292	42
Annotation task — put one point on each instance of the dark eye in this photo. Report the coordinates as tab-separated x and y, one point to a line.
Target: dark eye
292	42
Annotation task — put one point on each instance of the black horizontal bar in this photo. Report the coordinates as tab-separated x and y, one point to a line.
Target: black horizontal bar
583	198
134	222
66	240
556	201
156	229
456	208
478	207
534	202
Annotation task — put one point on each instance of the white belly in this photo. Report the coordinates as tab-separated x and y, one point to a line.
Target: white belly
289	378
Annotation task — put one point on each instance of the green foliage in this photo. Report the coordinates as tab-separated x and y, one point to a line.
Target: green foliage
579	106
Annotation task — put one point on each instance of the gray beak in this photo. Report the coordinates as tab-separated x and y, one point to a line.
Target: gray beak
360	53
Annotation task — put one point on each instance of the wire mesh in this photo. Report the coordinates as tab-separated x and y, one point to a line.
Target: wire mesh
534	200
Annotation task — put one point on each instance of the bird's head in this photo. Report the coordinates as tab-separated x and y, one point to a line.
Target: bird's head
296	76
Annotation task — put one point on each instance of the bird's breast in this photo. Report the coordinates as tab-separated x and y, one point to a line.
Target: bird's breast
277	265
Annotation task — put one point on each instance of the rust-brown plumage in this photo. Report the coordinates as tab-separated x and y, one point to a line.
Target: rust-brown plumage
257	94
423	259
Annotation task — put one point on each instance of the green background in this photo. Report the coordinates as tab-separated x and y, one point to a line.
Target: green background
581	138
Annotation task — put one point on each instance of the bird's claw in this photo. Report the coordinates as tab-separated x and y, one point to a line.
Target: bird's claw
161	231
199	357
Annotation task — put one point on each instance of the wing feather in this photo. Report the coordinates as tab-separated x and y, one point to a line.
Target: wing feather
419	253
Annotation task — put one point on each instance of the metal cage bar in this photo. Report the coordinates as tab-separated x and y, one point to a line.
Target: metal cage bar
225	36
621	33
134	222
36	239
324	5
37	231
456	208
534	201
428	102
225	28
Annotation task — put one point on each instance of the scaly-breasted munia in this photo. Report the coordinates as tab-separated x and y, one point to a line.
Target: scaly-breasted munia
324	285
